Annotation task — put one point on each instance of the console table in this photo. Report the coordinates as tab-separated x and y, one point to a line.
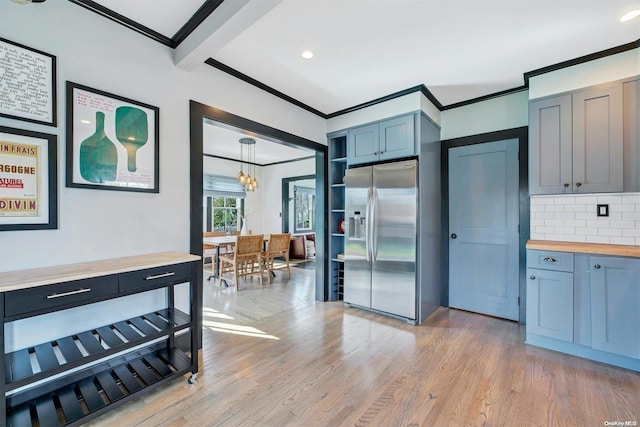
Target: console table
73	379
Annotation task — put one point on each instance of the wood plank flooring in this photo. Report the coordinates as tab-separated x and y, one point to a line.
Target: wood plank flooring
273	356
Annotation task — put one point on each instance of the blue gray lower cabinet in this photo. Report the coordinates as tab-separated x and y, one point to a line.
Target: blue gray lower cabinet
73	379
585	305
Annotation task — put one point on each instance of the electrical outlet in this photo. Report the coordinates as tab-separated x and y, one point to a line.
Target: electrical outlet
603	210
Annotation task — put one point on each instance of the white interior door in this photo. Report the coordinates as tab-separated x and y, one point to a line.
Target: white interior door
483	228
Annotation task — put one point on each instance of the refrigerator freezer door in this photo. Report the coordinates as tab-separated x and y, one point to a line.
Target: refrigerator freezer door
394	242
357	265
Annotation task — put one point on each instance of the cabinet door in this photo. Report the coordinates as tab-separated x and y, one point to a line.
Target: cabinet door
615	302
397	138
597	140
363	144
550	303
550	157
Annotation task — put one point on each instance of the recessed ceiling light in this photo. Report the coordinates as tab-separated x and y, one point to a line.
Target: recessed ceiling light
307	54
630	15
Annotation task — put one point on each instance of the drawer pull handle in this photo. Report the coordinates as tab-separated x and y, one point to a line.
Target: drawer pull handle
66	294
160	276
550	259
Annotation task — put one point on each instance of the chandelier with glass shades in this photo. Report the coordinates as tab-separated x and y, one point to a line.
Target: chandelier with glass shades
250	182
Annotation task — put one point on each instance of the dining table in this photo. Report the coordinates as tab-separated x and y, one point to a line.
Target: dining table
229	241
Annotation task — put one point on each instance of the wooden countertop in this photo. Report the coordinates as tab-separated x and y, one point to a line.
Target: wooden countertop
23	279
585	248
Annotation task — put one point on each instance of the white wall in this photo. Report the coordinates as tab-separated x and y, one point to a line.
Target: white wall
96	52
608	69
505	112
272	190
405	104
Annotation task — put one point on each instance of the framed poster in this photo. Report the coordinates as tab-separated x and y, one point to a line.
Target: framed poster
112	141
28	180
27	84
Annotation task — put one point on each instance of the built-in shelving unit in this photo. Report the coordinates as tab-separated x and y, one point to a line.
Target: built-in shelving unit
337	167
73	379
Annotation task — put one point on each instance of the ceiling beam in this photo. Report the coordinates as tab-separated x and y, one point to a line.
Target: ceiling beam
230	19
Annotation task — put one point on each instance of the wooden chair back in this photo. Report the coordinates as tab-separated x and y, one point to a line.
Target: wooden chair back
248	247
278	244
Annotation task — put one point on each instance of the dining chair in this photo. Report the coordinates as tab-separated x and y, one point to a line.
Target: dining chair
277	246
210	250
245	258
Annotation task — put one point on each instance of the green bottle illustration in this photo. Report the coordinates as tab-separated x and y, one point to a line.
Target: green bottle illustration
132	132
98	155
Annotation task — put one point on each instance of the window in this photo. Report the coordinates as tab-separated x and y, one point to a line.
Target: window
225	212
223	203
304	207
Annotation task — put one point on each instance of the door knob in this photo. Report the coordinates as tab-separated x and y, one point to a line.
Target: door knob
454	236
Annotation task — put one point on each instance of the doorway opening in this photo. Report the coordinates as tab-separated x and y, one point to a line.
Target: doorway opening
200	115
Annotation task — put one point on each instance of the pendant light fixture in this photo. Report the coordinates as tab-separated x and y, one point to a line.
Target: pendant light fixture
250	182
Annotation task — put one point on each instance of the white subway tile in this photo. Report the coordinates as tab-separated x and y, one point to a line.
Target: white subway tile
545	215
575	238
565	200
631	198
543	230
631	216
586	200
575	208
622	240
536	208
622	224
565	230
621	208
554	208
610	232
554	237
536	236
575	223
566	215
534	221
587	231
586	215
637	241
615	216
610	199
598	223
554	222
543	200
635	232
597	239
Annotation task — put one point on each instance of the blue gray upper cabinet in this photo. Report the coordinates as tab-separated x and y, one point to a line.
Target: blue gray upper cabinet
576	142
385	140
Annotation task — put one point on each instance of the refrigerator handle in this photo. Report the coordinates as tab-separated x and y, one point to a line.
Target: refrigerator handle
367	236
373	232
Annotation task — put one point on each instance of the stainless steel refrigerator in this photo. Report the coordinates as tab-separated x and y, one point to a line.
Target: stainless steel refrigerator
381	204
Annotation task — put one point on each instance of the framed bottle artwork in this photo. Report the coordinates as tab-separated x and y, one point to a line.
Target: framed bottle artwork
112	141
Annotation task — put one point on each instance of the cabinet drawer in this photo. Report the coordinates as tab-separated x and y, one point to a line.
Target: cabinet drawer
45	298
550	260
154	277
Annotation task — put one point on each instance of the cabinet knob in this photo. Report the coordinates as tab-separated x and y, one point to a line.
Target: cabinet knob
597	266
578	184
565	185
454	236
381	151
532	277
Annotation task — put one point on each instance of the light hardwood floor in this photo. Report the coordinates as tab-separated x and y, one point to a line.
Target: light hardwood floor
272	356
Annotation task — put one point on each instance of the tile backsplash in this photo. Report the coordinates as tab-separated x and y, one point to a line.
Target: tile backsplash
572	218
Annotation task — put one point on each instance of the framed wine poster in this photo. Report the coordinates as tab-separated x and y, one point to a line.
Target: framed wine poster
27	84
112	141
28	180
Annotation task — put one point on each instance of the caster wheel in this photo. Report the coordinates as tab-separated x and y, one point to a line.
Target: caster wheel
192	379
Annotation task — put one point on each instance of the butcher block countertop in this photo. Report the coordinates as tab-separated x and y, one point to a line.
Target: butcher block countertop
585	248
22	279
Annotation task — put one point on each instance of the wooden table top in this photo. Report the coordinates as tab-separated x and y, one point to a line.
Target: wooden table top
23	279
585	248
